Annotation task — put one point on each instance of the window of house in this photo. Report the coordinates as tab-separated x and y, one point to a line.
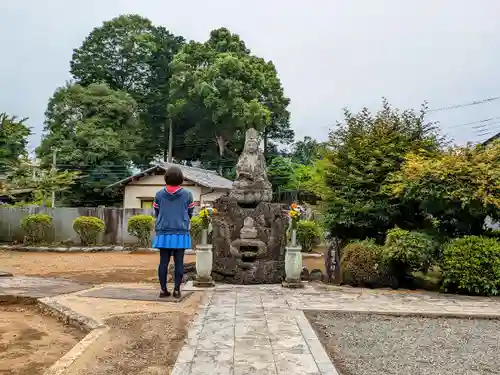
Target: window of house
147	203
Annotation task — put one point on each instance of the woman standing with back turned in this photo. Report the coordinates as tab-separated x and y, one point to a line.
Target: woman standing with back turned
173	207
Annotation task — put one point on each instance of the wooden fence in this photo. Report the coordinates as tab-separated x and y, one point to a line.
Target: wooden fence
115	220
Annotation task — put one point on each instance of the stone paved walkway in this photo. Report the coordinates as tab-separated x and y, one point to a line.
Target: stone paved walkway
263	330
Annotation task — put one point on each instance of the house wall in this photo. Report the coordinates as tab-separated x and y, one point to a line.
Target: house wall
147	187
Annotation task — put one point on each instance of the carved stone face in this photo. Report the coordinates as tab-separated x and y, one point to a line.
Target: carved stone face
252	145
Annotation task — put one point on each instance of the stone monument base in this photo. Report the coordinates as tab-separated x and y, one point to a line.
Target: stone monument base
293	284
264	272
203	283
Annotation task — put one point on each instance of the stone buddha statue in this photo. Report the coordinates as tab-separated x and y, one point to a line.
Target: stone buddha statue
251	185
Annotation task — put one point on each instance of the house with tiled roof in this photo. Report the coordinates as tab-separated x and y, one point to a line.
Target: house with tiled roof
139	189
489	140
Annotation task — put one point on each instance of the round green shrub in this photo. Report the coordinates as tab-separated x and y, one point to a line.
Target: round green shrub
140	226
196	228
471	265
361	265
88	228
308	235
36	228
406	252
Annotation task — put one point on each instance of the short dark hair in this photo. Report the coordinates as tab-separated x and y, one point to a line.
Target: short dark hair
174	176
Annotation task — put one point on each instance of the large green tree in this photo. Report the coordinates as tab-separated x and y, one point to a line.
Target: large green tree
362	153
456	190
131	54
221	90
13	141
94	130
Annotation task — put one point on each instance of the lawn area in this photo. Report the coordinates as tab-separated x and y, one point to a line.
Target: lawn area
96	267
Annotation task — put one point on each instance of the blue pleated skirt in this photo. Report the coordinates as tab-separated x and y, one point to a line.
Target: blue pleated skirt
172	241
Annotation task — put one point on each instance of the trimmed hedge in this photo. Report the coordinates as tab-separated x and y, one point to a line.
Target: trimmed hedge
140	226
471	265
406	252
362	265
196	228
308	235
36	228
88	228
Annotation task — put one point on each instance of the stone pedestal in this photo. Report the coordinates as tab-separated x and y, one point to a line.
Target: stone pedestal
293	267
242	260
204	258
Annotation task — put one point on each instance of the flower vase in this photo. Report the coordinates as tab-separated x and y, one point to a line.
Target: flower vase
293	263
204	260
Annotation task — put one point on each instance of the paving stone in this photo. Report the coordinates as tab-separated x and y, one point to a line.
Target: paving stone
262	329
131	294
37	287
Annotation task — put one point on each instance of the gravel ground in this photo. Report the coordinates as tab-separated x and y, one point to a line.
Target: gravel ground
362	344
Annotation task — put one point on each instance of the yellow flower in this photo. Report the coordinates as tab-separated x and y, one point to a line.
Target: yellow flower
215	210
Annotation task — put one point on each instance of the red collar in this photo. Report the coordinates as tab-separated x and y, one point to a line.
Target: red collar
172	189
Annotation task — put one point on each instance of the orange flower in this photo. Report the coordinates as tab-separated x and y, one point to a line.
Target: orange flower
294	206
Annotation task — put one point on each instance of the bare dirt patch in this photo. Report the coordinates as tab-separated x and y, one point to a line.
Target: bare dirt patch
143	343
31	342
370	344
96	268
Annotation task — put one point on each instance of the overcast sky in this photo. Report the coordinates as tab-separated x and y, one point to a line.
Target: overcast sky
329	54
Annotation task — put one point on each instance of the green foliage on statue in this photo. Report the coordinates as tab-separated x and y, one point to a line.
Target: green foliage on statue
95	131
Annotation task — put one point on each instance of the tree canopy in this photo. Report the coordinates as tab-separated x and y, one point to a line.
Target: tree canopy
362	153
224	90
130	54
13	141
456	190
95	131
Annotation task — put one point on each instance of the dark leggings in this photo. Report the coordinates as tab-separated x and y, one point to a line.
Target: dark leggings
165	255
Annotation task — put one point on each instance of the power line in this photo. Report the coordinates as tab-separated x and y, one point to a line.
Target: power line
475	102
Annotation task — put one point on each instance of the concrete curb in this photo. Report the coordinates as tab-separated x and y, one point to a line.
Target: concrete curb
325	365
66	361
83	249
418	314
94	329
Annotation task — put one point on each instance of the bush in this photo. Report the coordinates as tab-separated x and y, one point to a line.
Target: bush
361	265
308	235
196	228
471	265
141	226
88	228
36	227
406	252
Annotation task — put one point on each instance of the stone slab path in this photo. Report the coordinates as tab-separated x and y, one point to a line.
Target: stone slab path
262	329
132	294
38	287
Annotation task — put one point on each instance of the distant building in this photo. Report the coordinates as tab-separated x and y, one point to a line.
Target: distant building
489	140
139	189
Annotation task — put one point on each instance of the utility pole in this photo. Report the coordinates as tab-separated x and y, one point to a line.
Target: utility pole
53	171
170	141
